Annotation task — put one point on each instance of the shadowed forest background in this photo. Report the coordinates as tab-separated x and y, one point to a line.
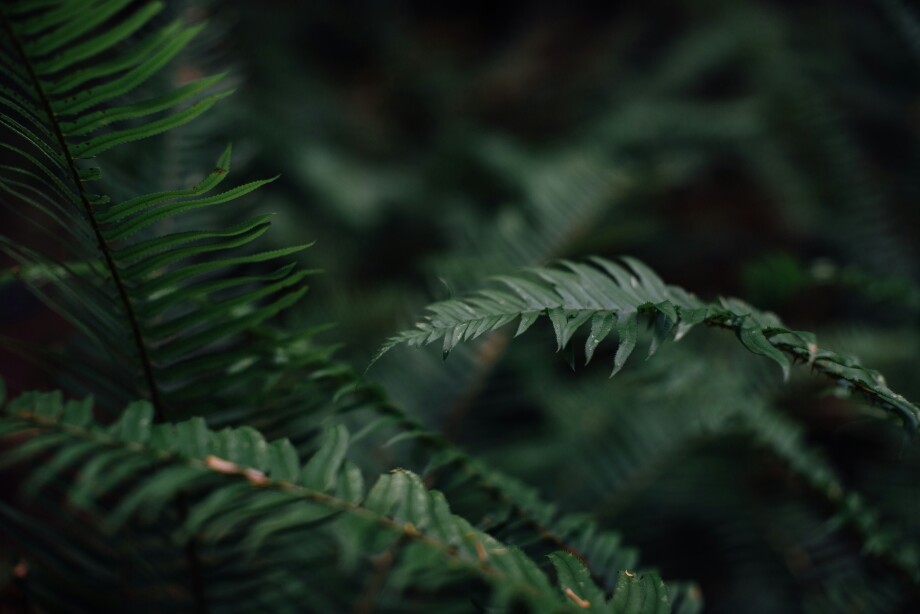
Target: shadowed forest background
764	150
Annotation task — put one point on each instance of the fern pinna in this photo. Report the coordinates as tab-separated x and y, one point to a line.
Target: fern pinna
252	498
217	461
161	319
612	296
148	301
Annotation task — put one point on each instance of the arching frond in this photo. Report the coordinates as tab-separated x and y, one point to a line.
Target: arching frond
612	296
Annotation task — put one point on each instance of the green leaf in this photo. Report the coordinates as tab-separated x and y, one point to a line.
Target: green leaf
106	39
80	24
167	242
134	425
604	290
601	325
751	335
628	334
95	146
663	324
527	320
321	471
91	122
640	595
150	63
283	464
153	215
576	583
140	203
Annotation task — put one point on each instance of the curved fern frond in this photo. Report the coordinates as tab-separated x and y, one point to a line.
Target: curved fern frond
148	299
238	484
785	439
610	296
516	513
680	417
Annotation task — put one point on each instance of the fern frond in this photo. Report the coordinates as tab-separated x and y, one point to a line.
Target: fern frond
150	302
236	481
515	513
881	539
639	446
612	296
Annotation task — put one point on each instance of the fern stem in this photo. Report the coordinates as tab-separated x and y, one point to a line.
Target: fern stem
546	534
405	531
133	321
191	552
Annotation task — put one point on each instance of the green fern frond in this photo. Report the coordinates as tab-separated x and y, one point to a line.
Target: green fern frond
609	296
235	480
881	539
149	301
522	517
639	446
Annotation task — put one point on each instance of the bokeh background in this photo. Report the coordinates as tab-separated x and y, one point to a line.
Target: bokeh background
765	150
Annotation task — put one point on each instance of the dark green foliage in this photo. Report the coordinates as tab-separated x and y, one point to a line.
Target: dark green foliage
245	499
222	459
149	302
610	295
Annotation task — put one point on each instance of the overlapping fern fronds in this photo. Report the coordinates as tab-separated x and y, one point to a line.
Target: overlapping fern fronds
240	488
172	309
166	308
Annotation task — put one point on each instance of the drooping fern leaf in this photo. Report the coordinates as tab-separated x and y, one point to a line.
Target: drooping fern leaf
151	302
610	296
254	494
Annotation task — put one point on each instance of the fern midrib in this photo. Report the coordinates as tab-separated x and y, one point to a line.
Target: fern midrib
725	320
406	530
487	484
134	323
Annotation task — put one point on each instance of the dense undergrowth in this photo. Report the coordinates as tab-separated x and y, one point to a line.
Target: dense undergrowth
203	440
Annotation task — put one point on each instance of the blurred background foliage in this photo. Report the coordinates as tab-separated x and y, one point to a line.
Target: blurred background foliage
766	150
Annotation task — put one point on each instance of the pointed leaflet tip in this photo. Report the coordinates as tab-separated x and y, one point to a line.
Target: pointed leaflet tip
570	357
601	325
388	345
558	318
223	162
661	329
751	335
628	332
450	292
452	338
688	318
527	320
